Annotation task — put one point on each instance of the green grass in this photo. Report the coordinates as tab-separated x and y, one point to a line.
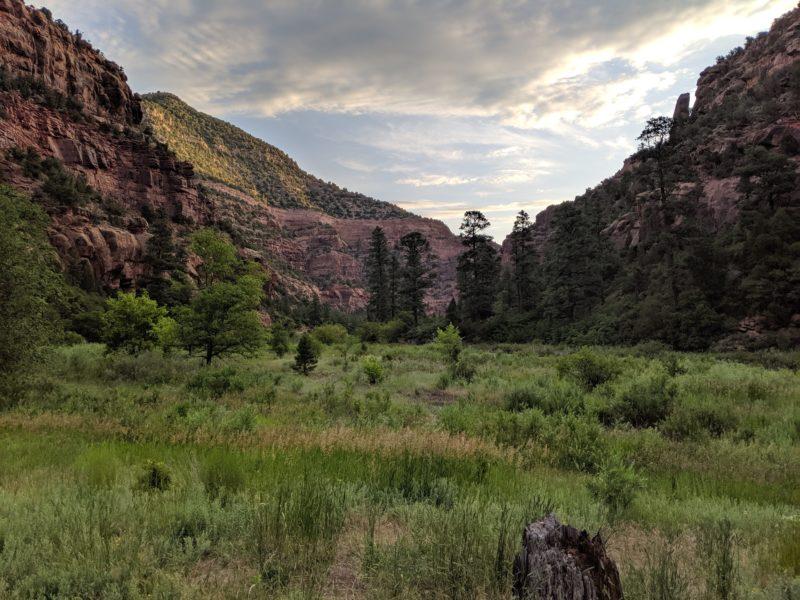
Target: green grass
333	485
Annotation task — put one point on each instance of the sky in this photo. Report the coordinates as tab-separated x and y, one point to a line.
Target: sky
439	106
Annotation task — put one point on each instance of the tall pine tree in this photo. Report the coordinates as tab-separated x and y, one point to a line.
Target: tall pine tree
523	261
478	268
378	276
417	274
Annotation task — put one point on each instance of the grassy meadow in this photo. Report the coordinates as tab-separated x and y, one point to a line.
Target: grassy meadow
390	473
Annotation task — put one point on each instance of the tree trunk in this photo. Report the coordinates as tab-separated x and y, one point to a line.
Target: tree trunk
558	562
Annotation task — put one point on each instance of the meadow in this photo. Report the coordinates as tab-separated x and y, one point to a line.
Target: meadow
392	472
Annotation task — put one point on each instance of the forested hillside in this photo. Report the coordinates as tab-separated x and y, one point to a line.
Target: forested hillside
222	152
697	238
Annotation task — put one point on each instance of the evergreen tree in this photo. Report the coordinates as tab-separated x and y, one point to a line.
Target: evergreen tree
451	314
523	261
165	261
378	276
394	284
279	340
478	268
417	274
654	138
306	358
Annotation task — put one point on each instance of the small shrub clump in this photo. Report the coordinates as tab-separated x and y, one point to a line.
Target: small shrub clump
155	477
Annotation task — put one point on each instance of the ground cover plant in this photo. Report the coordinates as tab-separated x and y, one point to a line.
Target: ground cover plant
373	476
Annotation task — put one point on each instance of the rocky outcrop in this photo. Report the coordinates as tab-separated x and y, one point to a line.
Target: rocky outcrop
98	139
682	107
558	561
33	45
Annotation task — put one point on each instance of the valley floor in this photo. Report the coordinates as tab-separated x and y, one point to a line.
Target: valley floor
151	476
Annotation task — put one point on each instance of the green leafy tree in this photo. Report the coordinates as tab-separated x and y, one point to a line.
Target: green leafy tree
307	355
218	256
478	268
223	319
129	323
30	287
417	273
378	277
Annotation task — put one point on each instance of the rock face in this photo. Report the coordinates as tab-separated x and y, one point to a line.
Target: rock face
33	45
559	562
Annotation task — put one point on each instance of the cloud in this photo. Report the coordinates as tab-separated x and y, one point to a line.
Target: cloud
466	58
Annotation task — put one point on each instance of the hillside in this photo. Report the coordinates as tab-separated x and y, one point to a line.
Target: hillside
224	153
716	253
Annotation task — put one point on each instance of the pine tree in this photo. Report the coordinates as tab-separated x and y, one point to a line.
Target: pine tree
523	261
378	277
306	358
164	259
394	284
417	274
451	314
478	268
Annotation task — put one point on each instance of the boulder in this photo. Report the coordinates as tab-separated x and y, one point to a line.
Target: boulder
559	562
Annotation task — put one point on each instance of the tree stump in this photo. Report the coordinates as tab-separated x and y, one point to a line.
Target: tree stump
558	562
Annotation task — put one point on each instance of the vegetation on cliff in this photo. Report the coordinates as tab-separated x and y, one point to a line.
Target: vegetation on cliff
222	152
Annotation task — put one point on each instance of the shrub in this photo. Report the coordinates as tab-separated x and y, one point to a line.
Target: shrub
692	422
370	332
449	343
373	369
330	333
577	443
550	396
615	487
463	370
216	383
588	368
644	400
130	320
155	477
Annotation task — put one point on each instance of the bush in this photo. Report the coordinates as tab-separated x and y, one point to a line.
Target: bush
588	368
154	477
449	343
373	369
692	422
370	332
549	396
279	340
216	383
463	370
330	333
644	400
615	487
577	443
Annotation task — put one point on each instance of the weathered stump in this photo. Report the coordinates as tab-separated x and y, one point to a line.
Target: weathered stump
558	562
